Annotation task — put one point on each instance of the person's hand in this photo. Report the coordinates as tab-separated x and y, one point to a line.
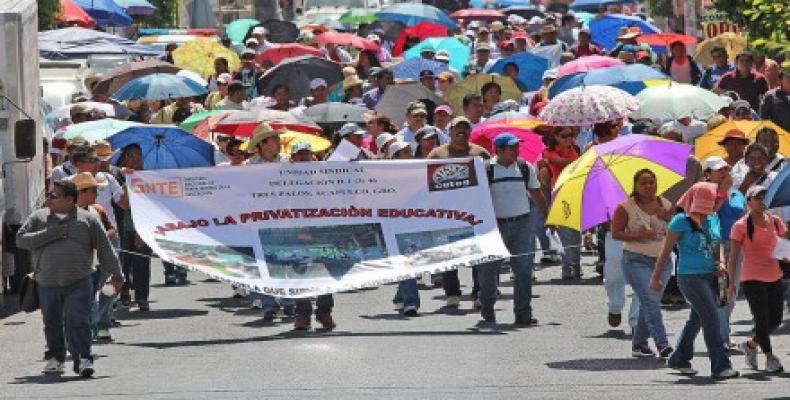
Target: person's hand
731	291
648	235
655	284
117	284
126	171
112	233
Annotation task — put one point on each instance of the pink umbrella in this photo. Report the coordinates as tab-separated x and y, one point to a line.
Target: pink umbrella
530	149
589	63
278	52
347	39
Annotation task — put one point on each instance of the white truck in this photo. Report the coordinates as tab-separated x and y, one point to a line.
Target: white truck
21	144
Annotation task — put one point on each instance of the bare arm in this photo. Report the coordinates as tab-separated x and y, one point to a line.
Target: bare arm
669	243
537	196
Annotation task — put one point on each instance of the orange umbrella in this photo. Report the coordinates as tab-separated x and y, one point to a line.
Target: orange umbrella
72	14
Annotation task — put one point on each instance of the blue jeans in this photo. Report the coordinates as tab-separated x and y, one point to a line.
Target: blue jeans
519	239
700	292
638	269
614	281
537	222
101	314
726	311
67	319
571	241
407	293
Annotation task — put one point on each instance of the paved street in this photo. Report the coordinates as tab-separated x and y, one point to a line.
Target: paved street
199	343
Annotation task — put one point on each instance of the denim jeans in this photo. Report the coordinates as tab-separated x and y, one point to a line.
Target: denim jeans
407	293
270	303
66	311
726	311
323	304
101	314
571	241
700	292
519	239
638	269
537	222
614	282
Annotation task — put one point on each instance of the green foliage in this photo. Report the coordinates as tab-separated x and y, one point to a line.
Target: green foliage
165	15
766	22
660	8
46	13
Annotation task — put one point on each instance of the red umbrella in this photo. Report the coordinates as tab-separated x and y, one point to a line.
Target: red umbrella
72	14
530	148
243	123
423	30
347	39
665	39
277	53
478	14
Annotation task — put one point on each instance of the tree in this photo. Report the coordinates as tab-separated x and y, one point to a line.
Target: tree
46	13
165	15
660	8
766	22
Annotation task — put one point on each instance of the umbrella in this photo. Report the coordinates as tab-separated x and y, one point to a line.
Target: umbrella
387	30
276	53
708	144
237	29
530	68
93	131
414	13
113	110
164	147
527	12
278	31
72	14
396	99
588	105
297	72
328	113
333	24
290	138
604	29
513	119
136	7
588	63
631	78
347	39
76	42
357	16
242	123
530	148
665	39
159	87
472	14
198	55
677	100
105	12
732	42
423	30
193	76
595	5
410	69
195	119
473	83
459	52
115	78
589	190
778	194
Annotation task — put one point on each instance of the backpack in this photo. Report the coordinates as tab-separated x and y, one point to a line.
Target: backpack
522	166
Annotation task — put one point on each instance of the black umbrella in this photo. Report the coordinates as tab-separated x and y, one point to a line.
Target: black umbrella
296	73
448	6
115	78
279	31
387	30
526	12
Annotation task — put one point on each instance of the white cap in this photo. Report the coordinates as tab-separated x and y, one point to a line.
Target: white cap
714	163
259	30
374	37
396	147
551	73
224	78
382	139
350	128
251	40
536	20
442	55
317	83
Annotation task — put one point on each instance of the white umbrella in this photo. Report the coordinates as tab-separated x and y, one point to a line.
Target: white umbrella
588	105
676	100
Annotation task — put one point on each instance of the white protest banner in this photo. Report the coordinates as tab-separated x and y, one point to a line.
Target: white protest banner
303	229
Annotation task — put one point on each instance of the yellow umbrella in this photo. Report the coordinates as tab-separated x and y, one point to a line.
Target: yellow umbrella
290	138
472	84
732	42
708	144
198	56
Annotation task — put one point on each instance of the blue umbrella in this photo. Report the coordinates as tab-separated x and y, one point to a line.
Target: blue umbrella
105	12
530	69
164	147
604	30
459	52
78	42
410	69
630	78
594	5
136	7
414	13
159	87
778	194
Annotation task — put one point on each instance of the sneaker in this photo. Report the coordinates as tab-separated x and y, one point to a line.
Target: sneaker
685	370
614	319
86	368
665	352
488	314
268	316
54	367
103	334
126	298
728	373
257	304
773	365
750	355
642	351
525	320
301	323
453	301
477	304
398	305
410	311
326	321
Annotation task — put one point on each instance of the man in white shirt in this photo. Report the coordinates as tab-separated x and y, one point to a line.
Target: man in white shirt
236	98
416	118
688	127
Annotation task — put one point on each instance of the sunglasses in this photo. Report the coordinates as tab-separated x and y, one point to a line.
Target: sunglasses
53	195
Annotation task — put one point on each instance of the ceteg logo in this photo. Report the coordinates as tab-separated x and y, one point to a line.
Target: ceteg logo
451	176
171	187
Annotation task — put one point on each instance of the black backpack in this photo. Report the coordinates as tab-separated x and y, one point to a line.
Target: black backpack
522	166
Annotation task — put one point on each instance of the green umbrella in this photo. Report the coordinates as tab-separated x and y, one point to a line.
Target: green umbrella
237	29
196	118
359	16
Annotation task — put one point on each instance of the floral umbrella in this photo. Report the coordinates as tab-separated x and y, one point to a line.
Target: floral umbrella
588	105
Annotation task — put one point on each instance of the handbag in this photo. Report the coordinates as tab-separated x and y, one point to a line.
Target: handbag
28	294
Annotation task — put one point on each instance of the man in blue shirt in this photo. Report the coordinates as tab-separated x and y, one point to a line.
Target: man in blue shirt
712	74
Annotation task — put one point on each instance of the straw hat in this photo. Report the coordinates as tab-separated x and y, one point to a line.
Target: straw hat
351	81
261	133
103	150
84	180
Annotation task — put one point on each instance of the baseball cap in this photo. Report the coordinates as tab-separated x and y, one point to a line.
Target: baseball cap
483	47
259	30
299	146
350	128
756	190
426	132
443	108
396	147
224	78
740	103
734	134
551	73
383	139
442	55
714	163
251	40
248	52
426	72
317	83
416	107
460	120
506	139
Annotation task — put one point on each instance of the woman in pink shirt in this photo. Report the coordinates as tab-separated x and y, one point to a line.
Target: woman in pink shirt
761	277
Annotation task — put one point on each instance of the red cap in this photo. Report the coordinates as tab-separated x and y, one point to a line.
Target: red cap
641	54
734	134
505	43
519	35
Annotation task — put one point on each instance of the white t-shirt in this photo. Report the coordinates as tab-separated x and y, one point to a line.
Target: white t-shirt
510	196
694	130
